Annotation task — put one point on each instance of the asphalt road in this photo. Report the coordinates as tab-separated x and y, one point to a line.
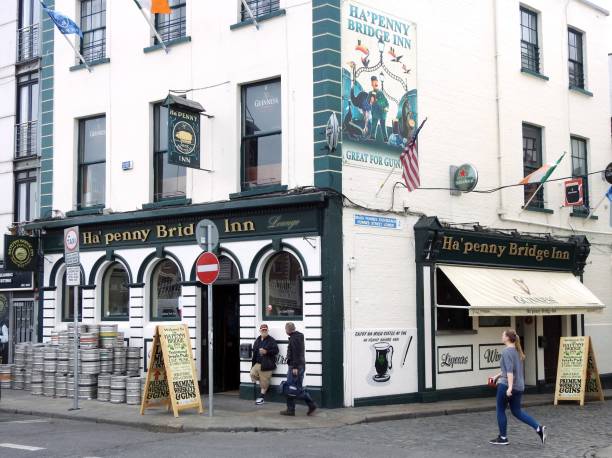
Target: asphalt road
573	432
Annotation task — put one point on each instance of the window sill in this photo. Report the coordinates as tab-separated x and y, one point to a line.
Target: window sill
166	203
114	319
539	210
263	17
284	318
580	90
161	320
260	190
457	332
536	74
95	210
583	215
106	60
169	44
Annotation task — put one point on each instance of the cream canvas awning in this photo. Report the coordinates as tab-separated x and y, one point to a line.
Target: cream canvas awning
504	292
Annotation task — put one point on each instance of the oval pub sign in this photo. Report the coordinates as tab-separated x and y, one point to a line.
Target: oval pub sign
466	178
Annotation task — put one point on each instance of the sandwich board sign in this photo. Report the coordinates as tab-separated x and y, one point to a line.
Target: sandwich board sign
577	374
171	377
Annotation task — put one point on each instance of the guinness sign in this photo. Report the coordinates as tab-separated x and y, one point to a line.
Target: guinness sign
183	131
20	253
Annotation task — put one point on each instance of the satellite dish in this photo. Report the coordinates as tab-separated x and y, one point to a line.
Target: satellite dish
332	132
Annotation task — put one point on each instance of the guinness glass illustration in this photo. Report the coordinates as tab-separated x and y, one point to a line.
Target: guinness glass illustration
383	361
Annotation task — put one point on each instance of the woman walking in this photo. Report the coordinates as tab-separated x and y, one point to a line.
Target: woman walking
510	387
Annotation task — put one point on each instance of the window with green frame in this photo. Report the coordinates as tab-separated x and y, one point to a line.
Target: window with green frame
115	294
68	300
165	291
282	288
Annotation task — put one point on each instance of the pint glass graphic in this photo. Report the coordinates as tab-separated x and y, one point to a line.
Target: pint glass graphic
383	361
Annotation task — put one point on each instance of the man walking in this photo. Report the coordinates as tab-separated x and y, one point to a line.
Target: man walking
265	350
295	376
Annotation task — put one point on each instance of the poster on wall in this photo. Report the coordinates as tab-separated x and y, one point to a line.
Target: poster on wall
379	95
384	362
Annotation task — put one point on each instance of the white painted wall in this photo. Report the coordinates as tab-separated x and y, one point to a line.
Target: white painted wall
8	56
125	88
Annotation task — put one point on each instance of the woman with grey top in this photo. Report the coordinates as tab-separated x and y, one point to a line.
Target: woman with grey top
510	387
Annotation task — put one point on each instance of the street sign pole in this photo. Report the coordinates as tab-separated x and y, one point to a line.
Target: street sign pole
73	278
75	405
210	331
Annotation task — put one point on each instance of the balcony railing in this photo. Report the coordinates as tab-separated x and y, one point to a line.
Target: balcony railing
260	8
26	139
27	43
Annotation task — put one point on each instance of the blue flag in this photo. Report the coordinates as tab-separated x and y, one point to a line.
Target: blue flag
63	23
609	194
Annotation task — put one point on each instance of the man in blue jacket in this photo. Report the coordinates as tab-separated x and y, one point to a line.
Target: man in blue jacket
295	376
265	350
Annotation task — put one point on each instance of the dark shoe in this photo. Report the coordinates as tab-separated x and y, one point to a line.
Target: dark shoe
311	409
288	413
499	441
542	433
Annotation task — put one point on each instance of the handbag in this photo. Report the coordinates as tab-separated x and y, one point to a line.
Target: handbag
491	383
289	389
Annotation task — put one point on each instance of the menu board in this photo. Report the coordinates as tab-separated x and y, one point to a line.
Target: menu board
156	386
177	367
576	370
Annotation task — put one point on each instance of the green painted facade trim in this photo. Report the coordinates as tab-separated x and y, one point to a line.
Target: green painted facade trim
581	90
106	60
170	43
247	391
536	74
538	209
46	115
166	203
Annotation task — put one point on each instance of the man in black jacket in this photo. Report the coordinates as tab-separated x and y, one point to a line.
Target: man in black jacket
295	376
265	350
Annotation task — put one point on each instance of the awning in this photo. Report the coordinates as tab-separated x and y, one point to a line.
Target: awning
504	292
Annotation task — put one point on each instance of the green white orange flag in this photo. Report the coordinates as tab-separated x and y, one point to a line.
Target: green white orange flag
542	174
156	6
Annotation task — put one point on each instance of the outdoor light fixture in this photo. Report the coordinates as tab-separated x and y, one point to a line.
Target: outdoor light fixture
381	77
381	45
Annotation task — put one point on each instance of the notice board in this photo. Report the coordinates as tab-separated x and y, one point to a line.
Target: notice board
171	377
577	373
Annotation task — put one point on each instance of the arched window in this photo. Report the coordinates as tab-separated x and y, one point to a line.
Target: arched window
228	273
68	300
165	291
116	294
282	289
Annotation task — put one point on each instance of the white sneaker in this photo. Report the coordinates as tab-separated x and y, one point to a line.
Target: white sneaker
259	401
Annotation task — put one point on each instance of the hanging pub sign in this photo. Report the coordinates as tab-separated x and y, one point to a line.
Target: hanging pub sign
20	253
14	281
573	193
608	173
183	131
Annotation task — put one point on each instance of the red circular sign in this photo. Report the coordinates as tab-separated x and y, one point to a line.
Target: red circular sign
207	268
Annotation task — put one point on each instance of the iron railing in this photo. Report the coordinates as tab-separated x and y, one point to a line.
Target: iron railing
530	57
259	8
27	43
26	139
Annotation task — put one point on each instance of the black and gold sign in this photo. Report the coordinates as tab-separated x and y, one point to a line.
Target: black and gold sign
183	132
20	253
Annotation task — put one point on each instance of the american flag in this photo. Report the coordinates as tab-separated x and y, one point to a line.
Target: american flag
410	162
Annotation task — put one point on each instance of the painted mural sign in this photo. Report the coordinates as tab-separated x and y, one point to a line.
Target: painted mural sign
489	355
379	95
384	362
455	358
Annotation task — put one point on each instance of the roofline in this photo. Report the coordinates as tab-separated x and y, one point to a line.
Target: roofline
595	6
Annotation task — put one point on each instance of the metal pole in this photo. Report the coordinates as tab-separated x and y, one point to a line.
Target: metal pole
210	332
75	405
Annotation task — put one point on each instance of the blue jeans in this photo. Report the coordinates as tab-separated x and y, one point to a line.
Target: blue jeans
515	407
302	394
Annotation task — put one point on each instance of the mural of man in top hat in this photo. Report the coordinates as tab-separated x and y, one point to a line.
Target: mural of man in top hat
380	107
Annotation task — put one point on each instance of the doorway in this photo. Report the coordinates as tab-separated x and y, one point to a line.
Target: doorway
552	331
226	330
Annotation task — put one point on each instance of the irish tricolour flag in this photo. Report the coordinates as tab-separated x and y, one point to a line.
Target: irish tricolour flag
542	174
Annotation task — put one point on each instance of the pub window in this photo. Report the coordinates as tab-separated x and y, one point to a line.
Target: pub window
261	134
165	291
26	195
92	162
282	287
451	307
68	300
174	25
530	51
93	26
580	170
532	160
259	8
575	58
116	294
169	179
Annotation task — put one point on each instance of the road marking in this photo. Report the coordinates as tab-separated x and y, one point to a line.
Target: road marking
25	421
22	447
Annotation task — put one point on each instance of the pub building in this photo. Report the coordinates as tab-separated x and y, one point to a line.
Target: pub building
473	284
138	271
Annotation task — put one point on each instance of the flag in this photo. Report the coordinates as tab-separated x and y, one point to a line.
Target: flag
410	162
65	25
542	174
609	194
155	6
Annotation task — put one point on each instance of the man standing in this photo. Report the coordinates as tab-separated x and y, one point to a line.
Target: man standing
4	342
295	376
380	107
265	350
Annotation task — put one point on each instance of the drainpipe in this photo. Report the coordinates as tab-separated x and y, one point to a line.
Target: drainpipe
500	209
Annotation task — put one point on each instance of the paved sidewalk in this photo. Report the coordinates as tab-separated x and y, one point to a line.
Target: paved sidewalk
234	414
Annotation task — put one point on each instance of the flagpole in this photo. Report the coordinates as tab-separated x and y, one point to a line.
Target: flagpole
532	197
593	210
77	53
248	9
152	26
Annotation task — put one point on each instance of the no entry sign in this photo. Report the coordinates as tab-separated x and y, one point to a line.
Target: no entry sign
207	268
